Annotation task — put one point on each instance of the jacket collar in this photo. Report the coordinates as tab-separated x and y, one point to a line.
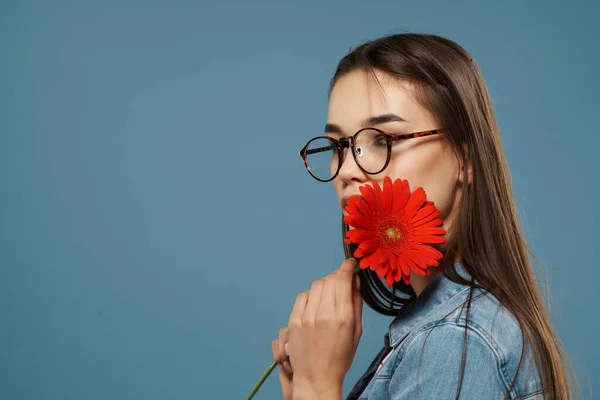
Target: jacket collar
437	292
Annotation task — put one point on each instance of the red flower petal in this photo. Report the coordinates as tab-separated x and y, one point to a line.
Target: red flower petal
390	278
415	202
398	275
358	254
360	234
388	193
393	260
425	214
359	203
431	252
430	224
370	261
359	221
378	196
369	197
381	271
379	256
432	231
415	257
430	239
413	265
369	246
404	266
351	208
401	194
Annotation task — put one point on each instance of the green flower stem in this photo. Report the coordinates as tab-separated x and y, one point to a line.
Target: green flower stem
261	380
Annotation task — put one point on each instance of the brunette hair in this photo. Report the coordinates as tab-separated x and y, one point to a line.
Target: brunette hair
485	235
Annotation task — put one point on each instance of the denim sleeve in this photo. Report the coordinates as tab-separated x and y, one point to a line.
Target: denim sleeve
435	373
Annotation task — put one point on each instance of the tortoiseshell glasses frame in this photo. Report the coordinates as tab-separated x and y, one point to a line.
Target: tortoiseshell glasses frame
350	141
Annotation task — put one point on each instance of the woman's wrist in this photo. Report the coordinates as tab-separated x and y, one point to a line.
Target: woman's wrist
308	391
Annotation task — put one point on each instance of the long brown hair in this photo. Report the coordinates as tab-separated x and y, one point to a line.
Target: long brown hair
486	235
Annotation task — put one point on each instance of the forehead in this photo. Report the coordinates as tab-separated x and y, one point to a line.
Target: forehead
357	96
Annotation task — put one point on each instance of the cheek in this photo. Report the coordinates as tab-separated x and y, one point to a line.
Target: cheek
432	167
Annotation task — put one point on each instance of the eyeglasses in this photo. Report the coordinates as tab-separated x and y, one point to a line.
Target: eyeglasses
371	148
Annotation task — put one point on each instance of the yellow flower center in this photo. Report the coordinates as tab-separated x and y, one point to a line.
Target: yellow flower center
392	233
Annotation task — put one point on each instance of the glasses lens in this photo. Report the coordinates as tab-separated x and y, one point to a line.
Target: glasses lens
371	149
322	157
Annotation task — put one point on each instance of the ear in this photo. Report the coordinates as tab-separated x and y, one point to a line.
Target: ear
465	168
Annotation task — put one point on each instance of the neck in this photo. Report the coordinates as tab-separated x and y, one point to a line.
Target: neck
420	282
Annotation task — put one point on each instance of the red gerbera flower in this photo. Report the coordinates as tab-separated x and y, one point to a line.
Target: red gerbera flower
394	230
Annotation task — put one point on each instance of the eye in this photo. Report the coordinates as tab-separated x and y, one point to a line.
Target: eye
396	135
380	140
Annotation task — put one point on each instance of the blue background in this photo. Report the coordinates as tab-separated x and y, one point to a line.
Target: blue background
156	222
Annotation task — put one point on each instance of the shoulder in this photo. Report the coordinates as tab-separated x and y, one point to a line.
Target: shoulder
491	340
434	354
505	332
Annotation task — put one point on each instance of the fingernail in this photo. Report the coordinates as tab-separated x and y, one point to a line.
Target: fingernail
287	366
287	352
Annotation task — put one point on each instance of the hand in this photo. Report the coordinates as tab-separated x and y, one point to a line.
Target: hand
324	331
285	368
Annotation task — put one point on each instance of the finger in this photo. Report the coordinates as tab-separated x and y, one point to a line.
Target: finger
285	364
275	349
358	309
314	301
283	339
344	283
327	306
298	310
287	367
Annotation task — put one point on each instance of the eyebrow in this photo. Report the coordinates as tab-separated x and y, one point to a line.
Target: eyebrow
376	120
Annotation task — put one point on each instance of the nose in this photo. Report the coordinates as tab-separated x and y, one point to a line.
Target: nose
349	170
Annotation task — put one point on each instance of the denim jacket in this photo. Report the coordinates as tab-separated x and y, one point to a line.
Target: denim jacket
493	349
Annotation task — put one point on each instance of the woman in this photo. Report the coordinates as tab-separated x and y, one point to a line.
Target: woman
474	326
